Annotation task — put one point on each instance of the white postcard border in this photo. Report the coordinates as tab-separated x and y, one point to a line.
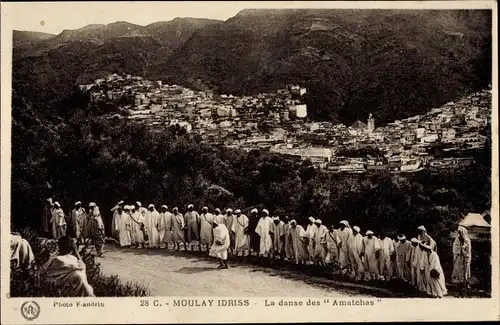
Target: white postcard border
128	310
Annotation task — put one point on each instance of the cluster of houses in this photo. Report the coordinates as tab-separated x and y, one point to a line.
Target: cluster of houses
278	122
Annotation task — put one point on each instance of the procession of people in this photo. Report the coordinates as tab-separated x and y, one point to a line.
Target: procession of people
344	249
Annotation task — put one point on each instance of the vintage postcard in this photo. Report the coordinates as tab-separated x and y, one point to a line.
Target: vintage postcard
208	162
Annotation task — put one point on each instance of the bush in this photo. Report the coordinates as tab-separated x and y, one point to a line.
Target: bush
28	282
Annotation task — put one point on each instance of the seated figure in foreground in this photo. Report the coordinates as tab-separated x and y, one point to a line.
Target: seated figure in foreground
21	253
66	271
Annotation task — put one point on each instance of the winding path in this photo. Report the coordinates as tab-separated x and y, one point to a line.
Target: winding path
167	273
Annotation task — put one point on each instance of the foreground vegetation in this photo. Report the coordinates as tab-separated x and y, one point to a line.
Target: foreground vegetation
28	282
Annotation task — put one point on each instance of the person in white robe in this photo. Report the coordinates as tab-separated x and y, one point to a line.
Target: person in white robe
278	229
127	209
138	227
264	230
462	255
178	227
424	237
219	217
206	228
124	227
79	224
402	252
288	250
192	221
345	233
413	260
165	226
422	267
142	210
355	248
310	233
371	251
436	286
320	243
21	254
66	271
332	240
96	232
385	257
151	223
114	221
47	217
221	244
240	226
298	239
59	224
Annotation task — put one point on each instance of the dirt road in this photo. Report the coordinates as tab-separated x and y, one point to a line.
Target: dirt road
168	273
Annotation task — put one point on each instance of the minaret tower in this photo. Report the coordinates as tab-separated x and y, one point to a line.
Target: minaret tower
371	123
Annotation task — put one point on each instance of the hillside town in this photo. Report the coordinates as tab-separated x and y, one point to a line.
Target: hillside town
440	139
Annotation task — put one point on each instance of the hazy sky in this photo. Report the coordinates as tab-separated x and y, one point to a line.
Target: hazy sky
57	16
54	17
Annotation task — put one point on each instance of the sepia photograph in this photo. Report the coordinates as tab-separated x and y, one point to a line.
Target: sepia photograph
224	150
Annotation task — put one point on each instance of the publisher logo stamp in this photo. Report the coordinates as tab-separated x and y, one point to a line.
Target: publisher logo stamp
30	310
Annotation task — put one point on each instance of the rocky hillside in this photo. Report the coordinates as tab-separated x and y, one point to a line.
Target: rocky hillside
392	63
46	71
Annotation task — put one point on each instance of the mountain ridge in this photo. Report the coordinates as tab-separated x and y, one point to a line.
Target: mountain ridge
392	63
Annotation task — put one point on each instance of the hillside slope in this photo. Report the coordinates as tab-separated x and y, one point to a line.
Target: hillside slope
393	63
45	72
